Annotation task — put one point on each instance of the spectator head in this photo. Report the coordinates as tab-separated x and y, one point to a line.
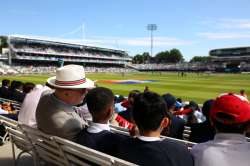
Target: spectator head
27	87
150	112
230	113
194	106
13	84
243	93
179	100
6	82
207	107
121	98
16	85
170	101
100	102
146	89
132	95
70	84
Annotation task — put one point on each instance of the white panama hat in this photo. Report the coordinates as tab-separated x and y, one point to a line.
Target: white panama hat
70	77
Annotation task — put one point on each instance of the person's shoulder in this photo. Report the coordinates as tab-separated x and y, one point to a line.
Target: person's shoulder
175	146
201	146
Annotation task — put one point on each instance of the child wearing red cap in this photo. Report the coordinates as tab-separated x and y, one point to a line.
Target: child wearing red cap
230	115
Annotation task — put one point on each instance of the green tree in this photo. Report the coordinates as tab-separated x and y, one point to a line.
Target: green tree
142	58
3	43
175	56
203	59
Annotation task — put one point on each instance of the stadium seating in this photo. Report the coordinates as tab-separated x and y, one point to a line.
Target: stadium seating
186	132
58	151
17	138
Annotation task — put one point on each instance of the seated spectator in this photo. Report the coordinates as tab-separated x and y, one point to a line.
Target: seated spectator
100	102
4	90
128	104
243	93
55	113
27	113
151	117
16	91
196	111
230	115
203	132
177	124
27	87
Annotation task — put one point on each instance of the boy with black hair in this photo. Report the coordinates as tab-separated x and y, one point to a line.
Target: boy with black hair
176	127
151	117
100	102
230	115
4	90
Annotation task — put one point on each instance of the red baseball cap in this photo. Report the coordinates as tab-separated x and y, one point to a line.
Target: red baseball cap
231	108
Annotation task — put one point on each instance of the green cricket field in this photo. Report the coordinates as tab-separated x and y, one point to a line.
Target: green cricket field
190	87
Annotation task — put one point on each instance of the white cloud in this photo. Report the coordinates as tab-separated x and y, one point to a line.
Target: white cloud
225	35
234	23
139	41
227	23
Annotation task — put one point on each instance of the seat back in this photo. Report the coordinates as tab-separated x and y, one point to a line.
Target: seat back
186	132
45	146
120	130
16	134
7	122
18	138
80	155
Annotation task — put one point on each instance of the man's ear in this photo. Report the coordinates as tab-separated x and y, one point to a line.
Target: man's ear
110	112
165	122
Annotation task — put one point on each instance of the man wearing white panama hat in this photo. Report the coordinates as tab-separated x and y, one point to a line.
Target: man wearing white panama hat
54	113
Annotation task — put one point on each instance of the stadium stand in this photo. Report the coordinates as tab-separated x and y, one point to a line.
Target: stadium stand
36	49
46	148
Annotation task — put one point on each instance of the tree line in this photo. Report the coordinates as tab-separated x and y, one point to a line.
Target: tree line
172	56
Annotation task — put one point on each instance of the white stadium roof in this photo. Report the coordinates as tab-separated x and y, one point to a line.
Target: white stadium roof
64	41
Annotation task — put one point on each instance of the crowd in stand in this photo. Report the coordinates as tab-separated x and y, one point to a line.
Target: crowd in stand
30	69
177	67
71	106
195	66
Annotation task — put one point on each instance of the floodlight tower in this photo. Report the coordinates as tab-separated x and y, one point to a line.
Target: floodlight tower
152	27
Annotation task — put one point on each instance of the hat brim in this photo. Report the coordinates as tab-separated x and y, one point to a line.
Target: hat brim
87	84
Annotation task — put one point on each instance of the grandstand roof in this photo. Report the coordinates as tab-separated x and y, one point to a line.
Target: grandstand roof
66	42
230	52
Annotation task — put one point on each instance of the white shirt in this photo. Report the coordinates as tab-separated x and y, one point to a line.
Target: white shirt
97	127
149	139
224	150
27	113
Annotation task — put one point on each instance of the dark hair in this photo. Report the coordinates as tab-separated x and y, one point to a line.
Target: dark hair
207	105
13	85
27	87
98	100
232	128
179	100
133	93
170	100
5	82
148	111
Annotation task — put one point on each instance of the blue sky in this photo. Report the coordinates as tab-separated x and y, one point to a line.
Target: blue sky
192	26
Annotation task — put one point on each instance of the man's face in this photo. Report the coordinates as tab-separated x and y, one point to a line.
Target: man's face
76	96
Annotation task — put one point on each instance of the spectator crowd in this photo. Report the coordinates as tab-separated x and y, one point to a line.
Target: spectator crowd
72	106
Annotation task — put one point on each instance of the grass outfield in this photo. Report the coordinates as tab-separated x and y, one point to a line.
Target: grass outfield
192	87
